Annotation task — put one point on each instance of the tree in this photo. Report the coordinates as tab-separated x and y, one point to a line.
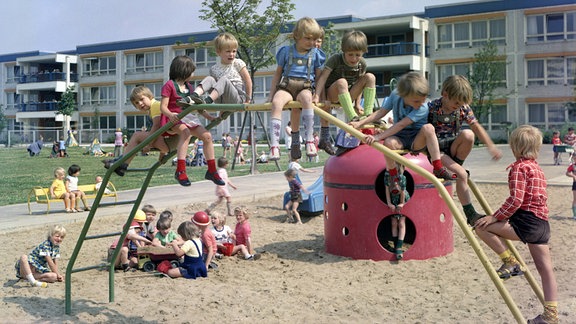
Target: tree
487	74
67	106
3	120
257	33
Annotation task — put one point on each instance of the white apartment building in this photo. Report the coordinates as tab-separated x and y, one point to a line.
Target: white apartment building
537	37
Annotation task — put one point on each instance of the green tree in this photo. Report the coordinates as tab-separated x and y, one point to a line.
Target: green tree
487	74
67	106
257	33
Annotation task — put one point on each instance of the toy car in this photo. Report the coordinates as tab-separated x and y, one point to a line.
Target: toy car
150	256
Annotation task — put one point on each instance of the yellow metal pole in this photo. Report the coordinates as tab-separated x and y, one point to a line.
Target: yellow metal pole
449	201
527	273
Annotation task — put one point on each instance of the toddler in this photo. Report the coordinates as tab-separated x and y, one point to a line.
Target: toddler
242	233
295	196
165	234
397	196
40	266
98	184
192	267
209	246
222	192
58	190
72	186
127	258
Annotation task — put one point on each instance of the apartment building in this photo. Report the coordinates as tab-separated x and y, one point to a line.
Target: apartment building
537	39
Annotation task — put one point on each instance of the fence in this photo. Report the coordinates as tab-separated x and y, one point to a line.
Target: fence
25	137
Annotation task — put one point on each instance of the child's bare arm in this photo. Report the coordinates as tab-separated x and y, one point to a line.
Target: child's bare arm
485	138
275	80
54	267
177	250
173	117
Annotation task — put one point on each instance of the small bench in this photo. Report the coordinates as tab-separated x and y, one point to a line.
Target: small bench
42	195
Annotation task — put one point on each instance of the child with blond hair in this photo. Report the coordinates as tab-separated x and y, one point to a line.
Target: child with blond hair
344	80
142	99
229	81
294	78
524	217
40	266
58	191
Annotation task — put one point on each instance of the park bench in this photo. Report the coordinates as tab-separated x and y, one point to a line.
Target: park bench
42	195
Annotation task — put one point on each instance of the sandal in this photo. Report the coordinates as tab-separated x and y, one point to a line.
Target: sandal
443	173
68	210
399	254
507	271
79	209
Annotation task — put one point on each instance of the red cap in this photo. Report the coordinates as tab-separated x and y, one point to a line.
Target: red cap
201	219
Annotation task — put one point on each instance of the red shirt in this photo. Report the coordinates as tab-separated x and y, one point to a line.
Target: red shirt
527	185
242	232
208	239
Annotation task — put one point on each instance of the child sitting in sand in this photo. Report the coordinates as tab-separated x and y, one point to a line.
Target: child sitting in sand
192	267
40	266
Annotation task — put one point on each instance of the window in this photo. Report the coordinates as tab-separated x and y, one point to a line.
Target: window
12	100
134	123
261	88
144	62
549	115
12	74
551	71
472	34
446	70
99	122
203	57
495	118
551	27
99	95
99	66
156	89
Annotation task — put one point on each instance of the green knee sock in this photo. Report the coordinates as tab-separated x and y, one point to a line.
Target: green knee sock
369	95
346	103
398	244
469	210
574	211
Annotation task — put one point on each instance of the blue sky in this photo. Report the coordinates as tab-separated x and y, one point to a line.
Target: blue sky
58	25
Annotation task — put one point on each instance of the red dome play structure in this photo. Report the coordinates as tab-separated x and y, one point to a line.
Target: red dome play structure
357	221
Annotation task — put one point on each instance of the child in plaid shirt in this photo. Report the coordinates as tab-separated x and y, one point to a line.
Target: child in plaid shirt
524	217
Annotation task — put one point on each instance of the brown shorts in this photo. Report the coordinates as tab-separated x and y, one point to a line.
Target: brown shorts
295	85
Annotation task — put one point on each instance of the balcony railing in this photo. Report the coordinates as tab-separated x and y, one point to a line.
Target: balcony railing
395	49
47	77
38	106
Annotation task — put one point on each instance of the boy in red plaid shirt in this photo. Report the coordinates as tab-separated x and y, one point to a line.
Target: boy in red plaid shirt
524	217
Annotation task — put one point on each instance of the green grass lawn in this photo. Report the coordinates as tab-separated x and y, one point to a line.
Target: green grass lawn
22	172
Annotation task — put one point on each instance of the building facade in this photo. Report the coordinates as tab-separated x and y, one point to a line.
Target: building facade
537	39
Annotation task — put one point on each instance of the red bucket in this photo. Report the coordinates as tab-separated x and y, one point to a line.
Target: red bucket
228	248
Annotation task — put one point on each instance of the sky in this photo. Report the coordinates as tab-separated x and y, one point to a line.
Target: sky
61	25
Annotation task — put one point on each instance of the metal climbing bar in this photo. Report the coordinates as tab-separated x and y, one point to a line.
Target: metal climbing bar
136	202
460	219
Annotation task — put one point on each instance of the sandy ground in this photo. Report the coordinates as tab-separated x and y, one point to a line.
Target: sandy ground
294	281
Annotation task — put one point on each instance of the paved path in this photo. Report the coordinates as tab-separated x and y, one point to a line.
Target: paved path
258	186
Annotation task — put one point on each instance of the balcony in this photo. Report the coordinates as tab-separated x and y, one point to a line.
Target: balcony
47	77
38	106
393	49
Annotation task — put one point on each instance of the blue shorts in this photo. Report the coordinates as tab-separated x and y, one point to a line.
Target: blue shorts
407	136
529	228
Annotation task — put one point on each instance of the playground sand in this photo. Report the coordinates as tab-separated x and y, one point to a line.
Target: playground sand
294	281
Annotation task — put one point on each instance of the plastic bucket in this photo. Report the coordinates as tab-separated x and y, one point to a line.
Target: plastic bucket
228	248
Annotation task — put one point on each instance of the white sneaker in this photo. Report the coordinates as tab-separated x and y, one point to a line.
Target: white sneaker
274	154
